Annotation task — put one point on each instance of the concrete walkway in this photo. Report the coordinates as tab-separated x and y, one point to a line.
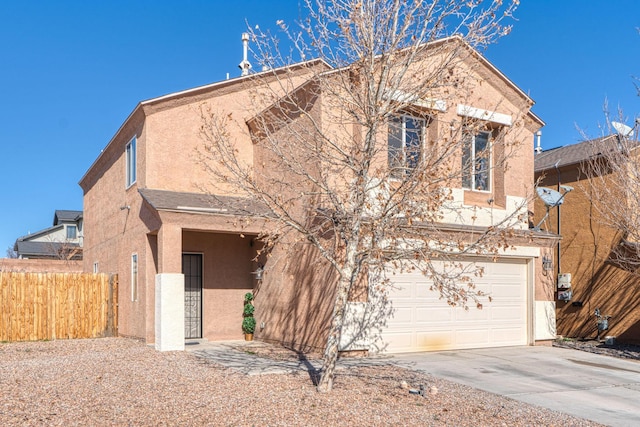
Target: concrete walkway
596	387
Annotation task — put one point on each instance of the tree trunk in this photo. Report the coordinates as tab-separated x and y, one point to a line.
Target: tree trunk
331	350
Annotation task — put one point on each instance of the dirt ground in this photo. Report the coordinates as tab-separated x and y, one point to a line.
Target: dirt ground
118	381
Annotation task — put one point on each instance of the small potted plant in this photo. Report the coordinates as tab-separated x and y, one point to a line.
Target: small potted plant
248	321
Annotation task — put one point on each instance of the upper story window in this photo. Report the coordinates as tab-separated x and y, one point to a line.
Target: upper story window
476	162
130	151
406	134
72	232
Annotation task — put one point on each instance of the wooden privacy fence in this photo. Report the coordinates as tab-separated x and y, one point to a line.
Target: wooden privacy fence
48	306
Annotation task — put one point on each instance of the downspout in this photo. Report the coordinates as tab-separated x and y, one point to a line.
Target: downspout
559	224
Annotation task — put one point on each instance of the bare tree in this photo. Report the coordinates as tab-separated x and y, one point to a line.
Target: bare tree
11	253
352	156
613	176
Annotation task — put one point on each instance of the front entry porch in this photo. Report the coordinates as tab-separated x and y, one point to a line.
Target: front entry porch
206	299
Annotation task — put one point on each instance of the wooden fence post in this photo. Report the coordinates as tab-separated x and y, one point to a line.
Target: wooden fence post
112	311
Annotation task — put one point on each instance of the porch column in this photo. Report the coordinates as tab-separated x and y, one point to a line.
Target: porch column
169	292
170	249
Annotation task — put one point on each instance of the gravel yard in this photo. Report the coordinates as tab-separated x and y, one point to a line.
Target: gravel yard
622	351
118	381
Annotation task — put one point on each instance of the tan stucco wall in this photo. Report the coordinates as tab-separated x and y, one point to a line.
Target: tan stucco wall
295	297
585	248
544	288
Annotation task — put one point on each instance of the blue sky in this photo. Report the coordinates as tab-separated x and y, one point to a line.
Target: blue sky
72	71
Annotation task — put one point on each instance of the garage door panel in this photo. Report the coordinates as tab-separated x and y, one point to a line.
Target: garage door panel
402	341
471	338
436	339
482	286
402	315
435	315
507	336
423	322
471	315
513	313
506	291
402	290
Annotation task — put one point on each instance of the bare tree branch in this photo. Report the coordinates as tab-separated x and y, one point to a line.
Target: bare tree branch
323	163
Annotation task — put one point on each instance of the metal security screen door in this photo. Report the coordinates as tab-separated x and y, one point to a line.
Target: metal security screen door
192	270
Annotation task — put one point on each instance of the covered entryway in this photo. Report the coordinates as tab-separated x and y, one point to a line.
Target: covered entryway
203	262
192	270
423	322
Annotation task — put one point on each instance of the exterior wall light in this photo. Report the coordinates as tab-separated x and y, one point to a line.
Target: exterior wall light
258	272
547	263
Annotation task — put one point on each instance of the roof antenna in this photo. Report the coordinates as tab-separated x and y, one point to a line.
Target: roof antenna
538	148
245	66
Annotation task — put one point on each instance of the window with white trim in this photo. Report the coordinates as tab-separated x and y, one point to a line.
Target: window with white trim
95	267
130	151
134	277
406	134
476	162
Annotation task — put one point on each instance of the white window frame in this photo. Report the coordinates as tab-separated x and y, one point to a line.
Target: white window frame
95	267
403	164
470	138
134	277
130	161
71	227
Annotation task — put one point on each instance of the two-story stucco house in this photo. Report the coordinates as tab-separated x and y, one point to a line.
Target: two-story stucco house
63	240
185	262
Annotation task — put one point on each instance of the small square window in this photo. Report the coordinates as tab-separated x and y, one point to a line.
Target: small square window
72	232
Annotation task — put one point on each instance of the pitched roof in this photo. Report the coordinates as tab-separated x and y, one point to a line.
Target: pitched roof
202	203
29	249
572	154
40	233
66	215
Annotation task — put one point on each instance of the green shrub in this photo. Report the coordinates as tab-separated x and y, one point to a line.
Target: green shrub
249	322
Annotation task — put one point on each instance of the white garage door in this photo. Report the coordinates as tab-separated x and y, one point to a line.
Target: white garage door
422	322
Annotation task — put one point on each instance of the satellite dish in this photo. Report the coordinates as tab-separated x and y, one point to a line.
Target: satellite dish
550	197
622	129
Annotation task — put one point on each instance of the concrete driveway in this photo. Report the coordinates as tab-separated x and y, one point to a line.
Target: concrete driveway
599	388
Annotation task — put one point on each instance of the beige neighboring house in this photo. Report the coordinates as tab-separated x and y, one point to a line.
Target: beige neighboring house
62	241
184	260
589	247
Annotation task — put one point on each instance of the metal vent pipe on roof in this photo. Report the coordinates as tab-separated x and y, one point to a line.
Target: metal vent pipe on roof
538	148
245	66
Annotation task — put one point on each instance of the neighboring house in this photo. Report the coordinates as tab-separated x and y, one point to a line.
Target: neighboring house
62	241
585	251
151	220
